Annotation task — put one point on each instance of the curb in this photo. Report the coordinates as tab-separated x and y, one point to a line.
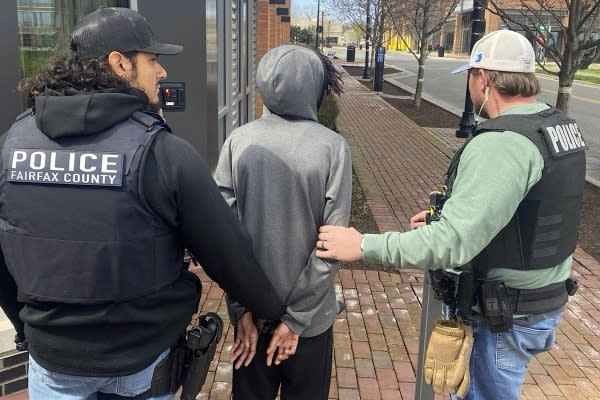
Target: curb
593	181
440	103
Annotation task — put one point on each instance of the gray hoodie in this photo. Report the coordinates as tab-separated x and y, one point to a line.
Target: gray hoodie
285	175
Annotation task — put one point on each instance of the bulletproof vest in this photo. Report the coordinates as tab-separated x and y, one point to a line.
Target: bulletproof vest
75	227
543	231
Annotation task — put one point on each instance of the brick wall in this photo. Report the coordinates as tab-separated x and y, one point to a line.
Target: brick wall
271	32
13	372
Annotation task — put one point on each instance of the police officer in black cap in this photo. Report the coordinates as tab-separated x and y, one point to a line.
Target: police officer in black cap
97	202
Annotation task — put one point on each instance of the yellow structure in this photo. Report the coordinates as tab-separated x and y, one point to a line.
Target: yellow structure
396	41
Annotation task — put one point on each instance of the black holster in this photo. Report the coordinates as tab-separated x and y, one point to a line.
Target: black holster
201	346
187	363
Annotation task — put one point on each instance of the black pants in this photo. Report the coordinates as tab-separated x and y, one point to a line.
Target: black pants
304	376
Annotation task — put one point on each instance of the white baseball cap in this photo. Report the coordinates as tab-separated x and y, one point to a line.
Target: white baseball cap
503	50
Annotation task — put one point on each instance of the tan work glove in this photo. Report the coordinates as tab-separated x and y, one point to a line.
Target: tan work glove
459	383
447	357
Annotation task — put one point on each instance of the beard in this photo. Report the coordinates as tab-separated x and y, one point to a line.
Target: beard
153	107
477	107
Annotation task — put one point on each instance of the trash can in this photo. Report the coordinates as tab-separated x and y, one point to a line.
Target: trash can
441	51
350	53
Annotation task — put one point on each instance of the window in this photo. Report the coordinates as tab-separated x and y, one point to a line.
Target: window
249	42
48	41
242	48
45	18
25	18
42	3
222	131
41	37
26	40
222	63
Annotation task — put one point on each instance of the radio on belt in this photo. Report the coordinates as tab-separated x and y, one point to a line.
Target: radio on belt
172	96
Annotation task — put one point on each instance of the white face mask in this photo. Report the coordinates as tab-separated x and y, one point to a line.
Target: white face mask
485	99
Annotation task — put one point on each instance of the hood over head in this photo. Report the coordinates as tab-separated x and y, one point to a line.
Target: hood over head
74	114
291	81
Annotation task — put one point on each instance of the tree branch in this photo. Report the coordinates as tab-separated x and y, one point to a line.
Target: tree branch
593	10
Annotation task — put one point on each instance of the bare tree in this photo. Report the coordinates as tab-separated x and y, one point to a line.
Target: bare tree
422	20
574	46
354	12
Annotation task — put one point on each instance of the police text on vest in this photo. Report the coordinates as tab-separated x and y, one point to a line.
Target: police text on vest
65	167
564	139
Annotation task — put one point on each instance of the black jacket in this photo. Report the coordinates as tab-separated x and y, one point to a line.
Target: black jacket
122	338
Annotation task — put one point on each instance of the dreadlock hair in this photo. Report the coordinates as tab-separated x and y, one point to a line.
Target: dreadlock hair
68	74
334	77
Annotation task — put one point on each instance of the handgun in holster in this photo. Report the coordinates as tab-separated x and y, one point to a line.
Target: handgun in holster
188	362
201	343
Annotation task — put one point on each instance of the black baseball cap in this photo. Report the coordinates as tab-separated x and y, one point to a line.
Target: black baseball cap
116	29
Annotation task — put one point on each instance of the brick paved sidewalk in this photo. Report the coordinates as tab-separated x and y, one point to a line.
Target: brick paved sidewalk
398	163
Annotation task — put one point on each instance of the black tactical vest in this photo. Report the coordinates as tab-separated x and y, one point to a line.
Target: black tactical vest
543	231
75	227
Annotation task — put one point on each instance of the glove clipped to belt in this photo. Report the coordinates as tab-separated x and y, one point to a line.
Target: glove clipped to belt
447	357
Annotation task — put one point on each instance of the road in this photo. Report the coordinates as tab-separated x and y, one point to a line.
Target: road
450	90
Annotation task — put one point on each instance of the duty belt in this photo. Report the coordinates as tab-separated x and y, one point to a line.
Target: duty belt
500	303
536	301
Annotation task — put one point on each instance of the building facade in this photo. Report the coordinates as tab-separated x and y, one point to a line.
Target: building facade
464	12
273	28
223	41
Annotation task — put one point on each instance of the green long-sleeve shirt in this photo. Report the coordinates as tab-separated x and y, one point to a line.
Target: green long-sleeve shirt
496	171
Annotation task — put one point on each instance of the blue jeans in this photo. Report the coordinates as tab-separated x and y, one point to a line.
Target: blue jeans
45	385
499	360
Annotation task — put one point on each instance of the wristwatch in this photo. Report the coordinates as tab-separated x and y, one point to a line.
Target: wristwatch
362	242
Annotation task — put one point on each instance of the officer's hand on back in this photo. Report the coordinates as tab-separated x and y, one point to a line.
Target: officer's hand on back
339	243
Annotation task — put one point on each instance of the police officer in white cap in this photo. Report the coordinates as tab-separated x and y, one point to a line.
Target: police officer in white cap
97	202
508	225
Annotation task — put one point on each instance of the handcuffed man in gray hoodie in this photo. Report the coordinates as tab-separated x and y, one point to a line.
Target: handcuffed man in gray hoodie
285	175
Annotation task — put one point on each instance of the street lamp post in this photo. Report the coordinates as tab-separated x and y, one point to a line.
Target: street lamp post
432	307
322	30
367	38
317	28
467	122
